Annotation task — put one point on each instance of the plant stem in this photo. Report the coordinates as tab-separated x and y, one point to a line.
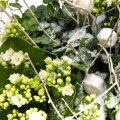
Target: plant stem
38	21
80	7
29	38
94	101
50	100
68	107
76	52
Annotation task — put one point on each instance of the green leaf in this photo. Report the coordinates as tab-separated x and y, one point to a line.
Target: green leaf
16	5
37	56
43	40
50	8
47	1
81	67
4	4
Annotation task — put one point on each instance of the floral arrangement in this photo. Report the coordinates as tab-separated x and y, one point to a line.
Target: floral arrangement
60	61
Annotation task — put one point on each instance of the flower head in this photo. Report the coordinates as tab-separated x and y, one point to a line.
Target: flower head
7	55
17	58
14	77
37	116
67	59
18	100
43	74
67	90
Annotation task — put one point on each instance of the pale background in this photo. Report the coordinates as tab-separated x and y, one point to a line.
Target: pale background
29	2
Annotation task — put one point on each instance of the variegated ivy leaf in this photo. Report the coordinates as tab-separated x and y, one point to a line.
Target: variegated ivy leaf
111	101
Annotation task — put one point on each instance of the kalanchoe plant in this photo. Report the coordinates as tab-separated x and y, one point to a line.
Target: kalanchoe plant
64	63
32	113
19	91
57	74
15	59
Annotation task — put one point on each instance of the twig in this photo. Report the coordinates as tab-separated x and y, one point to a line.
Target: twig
68	107
80	7
97	55
67	11
43	84
38	21
76	52
111	66
29	38
94	101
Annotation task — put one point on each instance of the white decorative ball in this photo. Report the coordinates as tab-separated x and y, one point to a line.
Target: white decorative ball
86	4
104	35
93	84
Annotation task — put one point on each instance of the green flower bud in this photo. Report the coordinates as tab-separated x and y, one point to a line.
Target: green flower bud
57	86
17	25
28	112
48	60
2	98
10	116
88	99
95	10
49	67
49	79
54	81
9	26
28	90
13	89
87	117
86	112
68	79
16	34
9	94
24	81
97	1
22	118
22	86
97	113
59	75
20	114
41	100
6	104
43	97
94	108
103	9
37	98
35	109
68	68
28	86
28	95
66	73
8	31
14	31
8	86
4	92
41	92
93	96
4	63
12	35
14	111
105	24
60	81
56	63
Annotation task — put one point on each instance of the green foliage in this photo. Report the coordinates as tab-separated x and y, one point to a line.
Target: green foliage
3	3
37	56
57	21
15	5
